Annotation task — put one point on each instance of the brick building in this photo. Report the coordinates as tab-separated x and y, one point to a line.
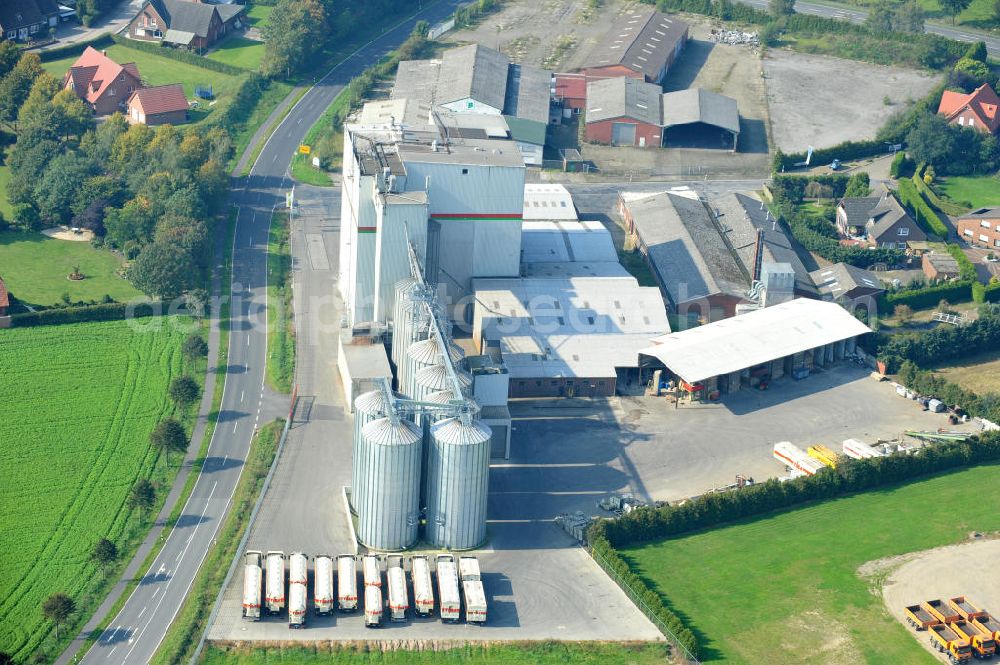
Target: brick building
158	105
184	23
624	111
980	109
981	227
101	82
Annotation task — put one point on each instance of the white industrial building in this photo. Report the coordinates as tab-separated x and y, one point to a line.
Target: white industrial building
790	338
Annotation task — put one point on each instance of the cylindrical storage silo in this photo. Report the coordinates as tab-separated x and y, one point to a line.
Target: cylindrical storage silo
422	354
458	474
400	307
389	512
435	378
367	407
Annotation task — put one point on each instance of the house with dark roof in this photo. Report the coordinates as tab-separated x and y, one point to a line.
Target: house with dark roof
882	221
641	43
758	238
23	20
624	111
980	109
688	253
158	105
184	23
842	282
101	82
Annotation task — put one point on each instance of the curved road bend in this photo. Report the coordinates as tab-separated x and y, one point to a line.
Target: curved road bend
136	632
858	16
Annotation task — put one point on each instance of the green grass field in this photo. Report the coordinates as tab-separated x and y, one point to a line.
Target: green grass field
981	191
545	653
240	52
979	373
35	269
6	209
979	13
257	14
784	589
79	403
157	70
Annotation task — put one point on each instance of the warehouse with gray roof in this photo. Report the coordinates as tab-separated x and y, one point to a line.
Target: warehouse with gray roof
641	42
696	115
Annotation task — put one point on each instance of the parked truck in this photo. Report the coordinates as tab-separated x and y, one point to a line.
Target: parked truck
945	639
942	611
298	580
472	589
982	643
274	594
399	600
373	606
822	454
796	459
450	603
965	608
423	589
920	617
860	450
347	583
323	598
988	624
371	571
252	578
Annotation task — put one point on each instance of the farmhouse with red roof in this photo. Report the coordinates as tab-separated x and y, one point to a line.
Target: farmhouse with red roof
980	109
158	105
101	82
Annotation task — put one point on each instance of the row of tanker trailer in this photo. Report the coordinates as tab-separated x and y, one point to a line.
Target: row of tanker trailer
957	628
816	457
459	585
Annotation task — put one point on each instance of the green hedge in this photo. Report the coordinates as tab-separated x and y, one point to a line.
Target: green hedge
711	510
901	166
922	212
947	207
793	187
61	52
848	150
186	57
966	270
928	296
114	311
991	292
942	344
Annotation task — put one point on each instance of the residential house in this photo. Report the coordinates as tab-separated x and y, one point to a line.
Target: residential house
981	227
980	109
158	105
624	111
697	269
757	239
642	43
939	266
101	82
185	23
880	220
843	283
23	20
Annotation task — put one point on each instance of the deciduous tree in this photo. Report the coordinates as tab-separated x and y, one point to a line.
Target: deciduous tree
169	434
779	8
143	495
104	553
184	390
57	608
954	7
16	86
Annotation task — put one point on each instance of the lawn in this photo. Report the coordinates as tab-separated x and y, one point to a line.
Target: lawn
5	208
978	14
981	191
257	14
35	268
79	403
158	70
979	373
544	653
790	579
240	52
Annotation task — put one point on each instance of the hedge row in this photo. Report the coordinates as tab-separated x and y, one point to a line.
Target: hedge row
61	52
922	211
928	296
848	150
978	404
157	48
242	105
944	343
898	166
966	270
947	207
474	12
711	510
793	187
115	311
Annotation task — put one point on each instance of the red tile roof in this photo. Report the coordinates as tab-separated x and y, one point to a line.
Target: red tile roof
160	99
4	296
572	86
982	101
93	72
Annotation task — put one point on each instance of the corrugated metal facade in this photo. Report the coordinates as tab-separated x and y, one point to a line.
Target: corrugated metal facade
457	484
367	407
397	221
389	513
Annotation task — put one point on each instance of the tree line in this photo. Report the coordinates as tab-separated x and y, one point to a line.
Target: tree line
147	193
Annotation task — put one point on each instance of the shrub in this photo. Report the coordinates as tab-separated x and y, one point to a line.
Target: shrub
923	214
793	187
115	311
966	270
901	167
187	57
927	296
195	346
941	344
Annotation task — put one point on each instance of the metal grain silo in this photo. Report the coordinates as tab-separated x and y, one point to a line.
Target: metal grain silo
434	378
402	290
458	472
367	407
423	354
389	512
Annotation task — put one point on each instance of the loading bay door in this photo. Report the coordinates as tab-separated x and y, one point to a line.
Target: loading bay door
623	133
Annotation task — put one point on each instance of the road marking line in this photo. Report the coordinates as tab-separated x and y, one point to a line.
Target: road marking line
225	459
156	592
112	651
242	392
235	425
248	339
141	613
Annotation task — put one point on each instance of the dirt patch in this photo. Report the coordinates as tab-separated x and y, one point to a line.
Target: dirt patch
822	101
812	637
943	573
63	233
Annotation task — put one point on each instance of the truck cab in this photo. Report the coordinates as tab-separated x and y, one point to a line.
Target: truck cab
946	640
982	643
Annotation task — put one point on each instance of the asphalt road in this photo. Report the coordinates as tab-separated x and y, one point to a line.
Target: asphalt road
858	16
134	635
